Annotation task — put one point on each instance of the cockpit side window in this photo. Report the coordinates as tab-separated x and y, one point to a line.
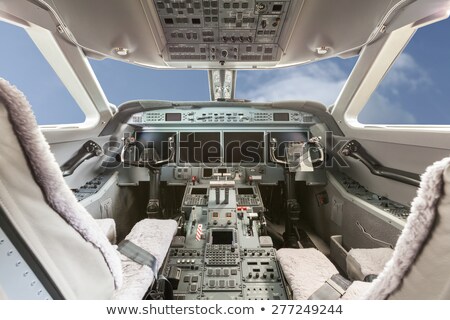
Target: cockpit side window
23	65
416	90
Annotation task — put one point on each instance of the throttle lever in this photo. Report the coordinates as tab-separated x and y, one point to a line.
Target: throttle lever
88	150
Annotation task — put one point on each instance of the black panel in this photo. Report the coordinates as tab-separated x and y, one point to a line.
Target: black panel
245	191
281	116
200	147
207	172
173	116
199	191
247	147
222	237
157	140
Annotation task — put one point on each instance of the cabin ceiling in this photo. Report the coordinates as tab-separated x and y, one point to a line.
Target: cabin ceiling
223	34
228	34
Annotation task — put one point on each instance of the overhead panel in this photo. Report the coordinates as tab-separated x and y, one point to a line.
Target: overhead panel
222	31
225	34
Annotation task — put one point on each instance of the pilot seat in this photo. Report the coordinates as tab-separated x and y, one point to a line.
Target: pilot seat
416	269
66	243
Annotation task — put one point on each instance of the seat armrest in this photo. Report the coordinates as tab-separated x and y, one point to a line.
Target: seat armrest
108	227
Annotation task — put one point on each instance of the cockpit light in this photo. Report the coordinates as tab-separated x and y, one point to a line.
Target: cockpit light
120	51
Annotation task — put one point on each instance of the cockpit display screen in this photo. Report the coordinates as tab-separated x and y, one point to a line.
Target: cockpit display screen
281	116
159	141
200	147
199	191
244	148
245	191
222	237
207	172
173	116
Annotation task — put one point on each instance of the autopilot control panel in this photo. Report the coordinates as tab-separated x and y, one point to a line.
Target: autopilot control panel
222	116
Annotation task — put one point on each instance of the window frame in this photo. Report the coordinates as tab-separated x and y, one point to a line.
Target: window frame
373	63
73	69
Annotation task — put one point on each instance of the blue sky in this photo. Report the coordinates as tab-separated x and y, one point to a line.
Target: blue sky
416	90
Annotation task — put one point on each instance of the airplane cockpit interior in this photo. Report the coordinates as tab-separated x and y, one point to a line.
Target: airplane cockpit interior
232	198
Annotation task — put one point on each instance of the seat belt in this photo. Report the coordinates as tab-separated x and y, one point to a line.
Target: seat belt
163	288
333	289
138	255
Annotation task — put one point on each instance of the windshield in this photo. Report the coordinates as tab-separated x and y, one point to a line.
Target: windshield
122	82
416	90
25	67
321	81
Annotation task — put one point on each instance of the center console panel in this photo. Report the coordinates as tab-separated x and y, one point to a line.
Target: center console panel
224	253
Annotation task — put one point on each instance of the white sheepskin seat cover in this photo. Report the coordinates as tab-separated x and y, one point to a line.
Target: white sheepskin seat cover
357	290
155	237
47	175
306	270
413	238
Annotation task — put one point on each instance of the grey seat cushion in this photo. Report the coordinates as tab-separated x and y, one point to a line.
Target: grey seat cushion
306	270
155	237
364	262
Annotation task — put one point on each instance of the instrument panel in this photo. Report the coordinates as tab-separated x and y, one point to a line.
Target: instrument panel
236	141
224	253
217	136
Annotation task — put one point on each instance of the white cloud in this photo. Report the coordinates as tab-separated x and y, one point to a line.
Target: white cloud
405	74
388	104
381	110
321	82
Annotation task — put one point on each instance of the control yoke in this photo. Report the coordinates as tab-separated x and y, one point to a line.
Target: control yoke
273	148
298	153
88	150
303	156
149	157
